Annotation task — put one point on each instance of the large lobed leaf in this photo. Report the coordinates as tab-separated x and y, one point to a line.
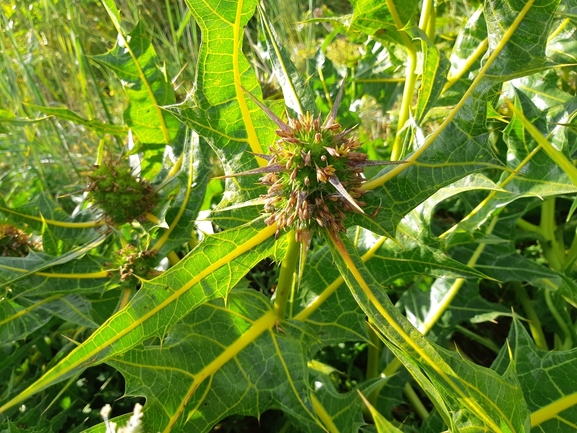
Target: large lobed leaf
218	108
546	378
135	63
208	272
474	396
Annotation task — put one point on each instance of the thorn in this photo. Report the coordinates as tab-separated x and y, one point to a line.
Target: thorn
376	212
282	126
262	155
278	328
344	133
333	114
341	189
267	169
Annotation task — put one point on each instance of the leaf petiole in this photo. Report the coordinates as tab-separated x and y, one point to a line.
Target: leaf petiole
286	277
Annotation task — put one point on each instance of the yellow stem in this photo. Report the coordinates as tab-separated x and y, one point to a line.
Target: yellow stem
176	168
173	258
84	225
409	90
70	276
76	360
27	310
263	324
331	288
381	80
479	51
427	19
323	415
406	102
455	287
558	157
551	410
492	194
125	298
165	236
398	329
559	29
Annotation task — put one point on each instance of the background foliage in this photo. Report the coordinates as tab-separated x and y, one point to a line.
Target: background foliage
448	305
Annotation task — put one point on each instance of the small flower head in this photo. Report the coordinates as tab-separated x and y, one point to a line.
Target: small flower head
121	196
133	262
15	243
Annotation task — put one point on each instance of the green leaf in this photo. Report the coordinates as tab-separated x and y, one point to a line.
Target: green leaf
218	108
135	63
547	380
43	210
14	269
504	263
208	272
373	16
192	181
340	411
42	286
470	38
456	153
296	91
324	304
381	423
480	397
524	52
405	259
333	310
434	76
541	88
536	174
222	360
468	305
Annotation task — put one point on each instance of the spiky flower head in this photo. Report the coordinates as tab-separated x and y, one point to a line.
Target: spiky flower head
318	177
121	196
314	174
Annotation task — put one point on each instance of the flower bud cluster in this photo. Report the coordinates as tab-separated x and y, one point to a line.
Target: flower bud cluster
317	177
121	196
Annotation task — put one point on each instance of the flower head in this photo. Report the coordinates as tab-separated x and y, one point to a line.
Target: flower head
121	196
314	174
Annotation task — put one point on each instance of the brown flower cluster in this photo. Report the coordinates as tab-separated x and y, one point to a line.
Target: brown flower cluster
313	176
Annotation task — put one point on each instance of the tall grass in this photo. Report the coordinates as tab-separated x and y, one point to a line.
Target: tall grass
45	59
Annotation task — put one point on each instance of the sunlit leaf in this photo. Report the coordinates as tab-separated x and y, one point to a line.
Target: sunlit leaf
547	381
135	63
208	272
218	108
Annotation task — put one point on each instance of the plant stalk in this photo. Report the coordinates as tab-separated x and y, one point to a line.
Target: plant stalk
409	90
568	343
427	19
286	277
534	322
487	342
416	402
554	252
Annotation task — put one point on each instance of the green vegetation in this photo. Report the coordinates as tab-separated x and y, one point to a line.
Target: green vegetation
288	216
